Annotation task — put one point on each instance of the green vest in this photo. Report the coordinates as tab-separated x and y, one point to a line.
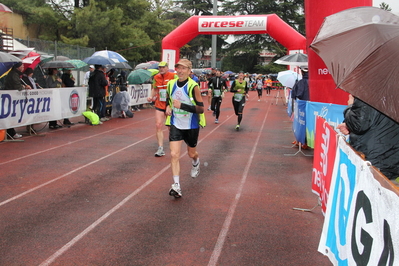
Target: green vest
191	85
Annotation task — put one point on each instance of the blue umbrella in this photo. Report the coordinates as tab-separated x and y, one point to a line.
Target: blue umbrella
229	72
114	56
98	60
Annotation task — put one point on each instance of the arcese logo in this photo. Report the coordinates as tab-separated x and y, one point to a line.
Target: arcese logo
232	24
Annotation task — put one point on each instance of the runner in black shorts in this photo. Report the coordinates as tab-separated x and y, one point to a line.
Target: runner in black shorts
240	89
185	111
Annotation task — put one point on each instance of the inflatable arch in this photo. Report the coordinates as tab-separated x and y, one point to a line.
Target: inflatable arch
246	24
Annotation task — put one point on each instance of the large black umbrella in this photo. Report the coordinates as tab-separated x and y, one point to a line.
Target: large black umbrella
58	64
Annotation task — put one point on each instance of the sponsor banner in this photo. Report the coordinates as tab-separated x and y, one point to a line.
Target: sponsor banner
332	113
139	93
323	160
299	124
233	24
361	222
20	108
73	101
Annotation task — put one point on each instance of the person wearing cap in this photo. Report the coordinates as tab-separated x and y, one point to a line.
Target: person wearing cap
13	82
185	111
217	86
158	96
301	88
300	91
87	76
240	89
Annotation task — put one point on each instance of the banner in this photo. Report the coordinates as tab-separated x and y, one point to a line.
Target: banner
332	113
361	223
21	108
299	125
323	160
139	93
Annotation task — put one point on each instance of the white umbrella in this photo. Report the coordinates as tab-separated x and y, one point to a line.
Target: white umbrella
288	78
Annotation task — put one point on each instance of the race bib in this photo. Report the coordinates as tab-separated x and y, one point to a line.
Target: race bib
238	97
217	93
162	95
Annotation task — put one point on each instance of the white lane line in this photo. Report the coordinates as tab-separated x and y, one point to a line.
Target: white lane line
230	214
67	246
71	172
69	143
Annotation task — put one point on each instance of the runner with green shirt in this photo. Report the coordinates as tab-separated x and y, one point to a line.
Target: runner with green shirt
240	89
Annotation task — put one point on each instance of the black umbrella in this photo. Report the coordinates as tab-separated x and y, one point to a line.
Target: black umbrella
58	64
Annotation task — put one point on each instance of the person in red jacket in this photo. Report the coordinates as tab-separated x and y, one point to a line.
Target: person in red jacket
158	95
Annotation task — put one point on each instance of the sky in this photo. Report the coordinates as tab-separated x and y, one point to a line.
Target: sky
394	4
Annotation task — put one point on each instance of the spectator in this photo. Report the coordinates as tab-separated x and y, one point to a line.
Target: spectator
53	81
97	86
13	82
301	88
27	78
120	104
87	76
67	78
373	134
68	81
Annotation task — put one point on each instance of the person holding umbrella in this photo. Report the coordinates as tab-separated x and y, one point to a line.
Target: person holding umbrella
97	87
374	134
13	82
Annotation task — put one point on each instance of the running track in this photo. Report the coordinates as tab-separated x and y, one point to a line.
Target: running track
96	195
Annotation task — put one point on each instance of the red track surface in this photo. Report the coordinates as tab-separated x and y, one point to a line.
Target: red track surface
96	195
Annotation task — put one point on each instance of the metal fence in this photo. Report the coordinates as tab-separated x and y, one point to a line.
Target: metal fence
57	48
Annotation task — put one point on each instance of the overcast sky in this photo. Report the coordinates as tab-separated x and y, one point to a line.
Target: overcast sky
394	4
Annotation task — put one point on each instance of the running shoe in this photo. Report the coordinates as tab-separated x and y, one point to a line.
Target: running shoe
209	108
175	191
17	136
195	170
237	127
216	121
160	152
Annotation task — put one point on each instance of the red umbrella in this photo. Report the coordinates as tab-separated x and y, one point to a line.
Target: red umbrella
4	8
31	60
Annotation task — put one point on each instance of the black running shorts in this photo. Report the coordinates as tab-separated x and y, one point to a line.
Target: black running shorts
190	136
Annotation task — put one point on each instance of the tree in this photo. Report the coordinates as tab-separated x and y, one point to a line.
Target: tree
291	11
385	6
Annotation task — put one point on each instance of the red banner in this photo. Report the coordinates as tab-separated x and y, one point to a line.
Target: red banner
323	160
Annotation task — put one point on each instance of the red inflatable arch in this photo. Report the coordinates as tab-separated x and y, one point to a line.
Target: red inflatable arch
246	24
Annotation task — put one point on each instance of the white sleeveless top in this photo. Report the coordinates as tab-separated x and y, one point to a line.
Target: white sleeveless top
180	118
